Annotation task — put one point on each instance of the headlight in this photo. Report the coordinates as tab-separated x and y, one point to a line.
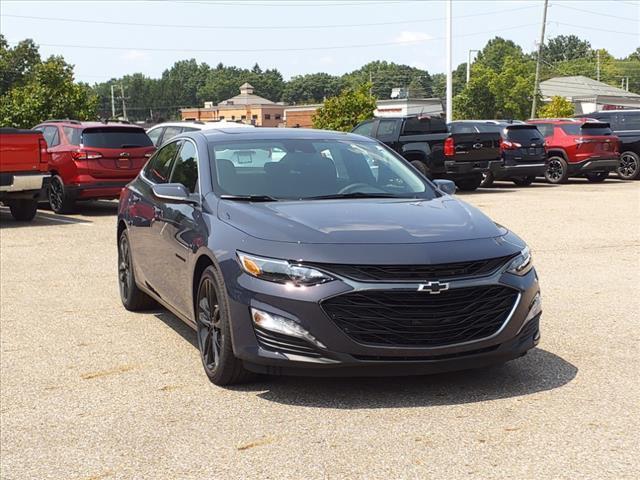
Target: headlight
522	263
281	271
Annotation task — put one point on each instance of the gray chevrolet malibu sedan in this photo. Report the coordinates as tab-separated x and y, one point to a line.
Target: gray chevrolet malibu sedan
309	252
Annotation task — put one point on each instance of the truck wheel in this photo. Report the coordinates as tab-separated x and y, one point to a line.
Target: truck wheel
597	177
524	181
557	170
469	184
487	180
629	168
23	210
422	168
59	199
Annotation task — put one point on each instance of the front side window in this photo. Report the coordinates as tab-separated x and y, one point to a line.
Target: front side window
171	132
299	169
546	129
364	129
159	167
51	136
628	121
155	134
185	170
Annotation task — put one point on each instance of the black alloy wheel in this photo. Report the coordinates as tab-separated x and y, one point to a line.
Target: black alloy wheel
132	297
58	198
629	168
210	335
556	170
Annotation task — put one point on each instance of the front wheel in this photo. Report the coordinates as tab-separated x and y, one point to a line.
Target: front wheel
597	177
524	181
214	332
557	170
23	210
629	168
469	184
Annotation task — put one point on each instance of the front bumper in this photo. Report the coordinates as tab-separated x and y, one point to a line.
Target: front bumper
341	355
594	165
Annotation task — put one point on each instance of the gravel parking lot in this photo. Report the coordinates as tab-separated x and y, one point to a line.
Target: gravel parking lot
90	391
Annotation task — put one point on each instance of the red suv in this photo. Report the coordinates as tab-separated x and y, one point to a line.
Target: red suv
576	147
91	160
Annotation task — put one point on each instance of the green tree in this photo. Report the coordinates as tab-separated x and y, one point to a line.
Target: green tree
311	88
565	47
385	76
477	99
17	63
495	53
50	92
346	110
558	107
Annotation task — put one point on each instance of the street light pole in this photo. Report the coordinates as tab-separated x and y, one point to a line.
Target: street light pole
536	82
469	64
449	99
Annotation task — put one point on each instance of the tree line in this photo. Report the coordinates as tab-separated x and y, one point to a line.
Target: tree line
501	85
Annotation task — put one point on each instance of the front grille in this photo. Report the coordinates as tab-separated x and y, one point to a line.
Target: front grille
440	271
410	318
277	342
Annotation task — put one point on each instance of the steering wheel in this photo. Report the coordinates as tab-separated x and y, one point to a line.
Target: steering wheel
355	186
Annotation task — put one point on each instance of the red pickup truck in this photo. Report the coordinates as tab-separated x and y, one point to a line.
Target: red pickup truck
24	171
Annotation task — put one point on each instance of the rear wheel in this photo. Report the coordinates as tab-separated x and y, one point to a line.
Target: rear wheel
597	177
557	170
524	181
59	199
132	297
23	210
487	179
214	332
629	168
469	184
422	168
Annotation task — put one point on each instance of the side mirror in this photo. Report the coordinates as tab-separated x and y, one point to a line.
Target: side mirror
174	192
446	186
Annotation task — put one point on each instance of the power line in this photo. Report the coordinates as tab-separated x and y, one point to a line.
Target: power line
595	13
635	34
249	27
287	4
288	49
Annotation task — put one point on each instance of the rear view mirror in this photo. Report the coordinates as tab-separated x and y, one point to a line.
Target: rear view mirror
174	192
445	186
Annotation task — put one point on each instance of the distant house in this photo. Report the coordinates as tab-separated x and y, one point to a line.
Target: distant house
245	107
588	95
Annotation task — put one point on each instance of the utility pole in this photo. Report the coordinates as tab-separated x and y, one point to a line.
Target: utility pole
449	99
598	65
536	82
124	107
113	104
469	64
370	84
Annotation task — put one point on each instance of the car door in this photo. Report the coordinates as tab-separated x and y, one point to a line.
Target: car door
183	232
144	212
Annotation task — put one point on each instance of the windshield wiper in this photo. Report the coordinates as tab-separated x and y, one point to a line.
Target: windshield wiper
249	198
354	195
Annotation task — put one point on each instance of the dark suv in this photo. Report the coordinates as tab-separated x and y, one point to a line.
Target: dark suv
626	126
92	160
522	147
296	251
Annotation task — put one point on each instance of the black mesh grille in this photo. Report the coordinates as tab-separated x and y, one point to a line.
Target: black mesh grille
412	318
284	343
391	273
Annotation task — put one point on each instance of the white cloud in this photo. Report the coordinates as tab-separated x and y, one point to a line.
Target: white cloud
411	37
135	55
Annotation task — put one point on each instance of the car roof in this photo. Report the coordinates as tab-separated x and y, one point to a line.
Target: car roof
557	121
240	134
203	125
78	124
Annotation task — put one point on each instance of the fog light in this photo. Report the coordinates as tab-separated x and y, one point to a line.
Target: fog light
535	308
276	323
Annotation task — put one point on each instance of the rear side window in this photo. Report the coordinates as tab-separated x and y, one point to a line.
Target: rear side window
72	134
629	121
155	134
463	128
115	137
422	125
524	135
159	167
386	128
171	132
588	129
186	169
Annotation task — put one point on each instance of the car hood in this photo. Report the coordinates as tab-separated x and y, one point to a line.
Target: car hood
361	221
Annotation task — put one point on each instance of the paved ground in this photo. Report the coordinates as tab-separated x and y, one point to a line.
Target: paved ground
90	391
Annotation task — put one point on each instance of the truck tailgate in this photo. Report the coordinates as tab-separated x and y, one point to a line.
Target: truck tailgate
475	147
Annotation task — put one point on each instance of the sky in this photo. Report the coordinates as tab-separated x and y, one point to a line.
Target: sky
298	36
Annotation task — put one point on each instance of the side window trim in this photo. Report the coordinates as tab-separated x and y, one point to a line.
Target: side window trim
143	172
175	163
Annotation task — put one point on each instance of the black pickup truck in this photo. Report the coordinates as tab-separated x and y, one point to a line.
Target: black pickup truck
625	125
426	142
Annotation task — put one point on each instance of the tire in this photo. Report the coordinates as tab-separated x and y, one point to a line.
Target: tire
59	199
487	180
132	297
23	210
422	168
629	168
524	181
469	184
597	177
214	332
557	170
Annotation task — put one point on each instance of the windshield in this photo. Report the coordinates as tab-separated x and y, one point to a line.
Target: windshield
524	134
115	137
313	169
